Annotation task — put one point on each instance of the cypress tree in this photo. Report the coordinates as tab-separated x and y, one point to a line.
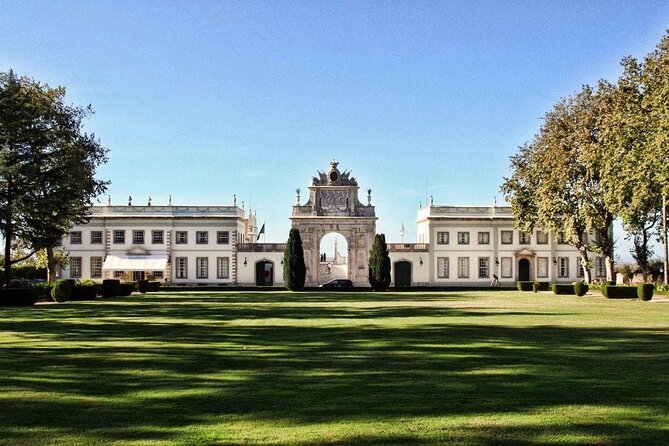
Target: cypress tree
294	271
379	264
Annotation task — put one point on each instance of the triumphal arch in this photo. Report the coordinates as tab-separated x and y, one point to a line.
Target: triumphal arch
333	206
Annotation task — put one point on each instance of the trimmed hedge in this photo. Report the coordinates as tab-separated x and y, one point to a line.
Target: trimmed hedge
127	288
111	288
525	285
154	286
18	296
143	286
580	288
542	286
619	292
563	289
645	291
62	290
84	292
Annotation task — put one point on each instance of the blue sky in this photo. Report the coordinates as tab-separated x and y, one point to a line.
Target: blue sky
206	99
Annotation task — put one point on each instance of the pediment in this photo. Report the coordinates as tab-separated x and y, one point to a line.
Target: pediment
525	253
138	251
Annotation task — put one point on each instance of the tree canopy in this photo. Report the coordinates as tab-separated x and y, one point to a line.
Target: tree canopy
294	269
379	264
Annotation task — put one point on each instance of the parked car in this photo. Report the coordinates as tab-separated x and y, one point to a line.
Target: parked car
338	283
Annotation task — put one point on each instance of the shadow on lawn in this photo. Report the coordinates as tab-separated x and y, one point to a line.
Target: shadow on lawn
136	371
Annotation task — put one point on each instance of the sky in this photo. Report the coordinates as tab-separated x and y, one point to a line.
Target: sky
202	100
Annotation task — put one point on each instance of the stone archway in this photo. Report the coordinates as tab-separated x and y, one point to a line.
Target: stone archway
333	206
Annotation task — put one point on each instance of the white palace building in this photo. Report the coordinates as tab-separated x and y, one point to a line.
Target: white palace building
216	245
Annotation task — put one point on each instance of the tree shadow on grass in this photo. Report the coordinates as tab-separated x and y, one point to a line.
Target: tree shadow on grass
129	378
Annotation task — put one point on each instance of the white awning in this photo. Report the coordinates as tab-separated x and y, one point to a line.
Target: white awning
135	263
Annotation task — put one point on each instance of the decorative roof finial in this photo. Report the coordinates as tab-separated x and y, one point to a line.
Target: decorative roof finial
129	200
234	200
108	200
149	203
169	201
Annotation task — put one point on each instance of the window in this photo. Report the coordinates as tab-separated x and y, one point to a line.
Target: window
223	267
507	266
96	267
181	267
523	238
75	267
542	238
463	238
600	267
442	238
463	267
157	274
75	238
119	236
202	267
561	238
442	267
157	237
181	238
542	265
138	237
507	237
484	238
202	237
484	267
119	274
563	266
223	237
96	237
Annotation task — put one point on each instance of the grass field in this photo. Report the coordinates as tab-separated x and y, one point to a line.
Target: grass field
336	368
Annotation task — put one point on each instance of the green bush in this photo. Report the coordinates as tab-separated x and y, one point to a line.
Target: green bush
580	288
18	296
563	288
84	291
143	286
43	289
645	291
524	285
542	286
127	288
619	292
154	286
62	290
111	288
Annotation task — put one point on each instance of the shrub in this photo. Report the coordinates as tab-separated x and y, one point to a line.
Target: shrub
143	286
154	286
43	289
84	291
127	288
619	292
294	269
62	290
645	291
580	288
18	296
542	286
563	288
379	264
524	286
111	288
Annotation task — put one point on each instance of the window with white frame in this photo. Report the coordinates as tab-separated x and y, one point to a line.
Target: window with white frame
181	237
463	267
600	267
202	237
181	267
119	236
75	267
579	269
507	267
223	267
463	238
157	237
223	237
96	267
542	266
484	238
442	238
563	266
442	267
202	267
75	238
484	267
523	238
507	237
118	274
96	237
157	274
138	237
561	238
542	238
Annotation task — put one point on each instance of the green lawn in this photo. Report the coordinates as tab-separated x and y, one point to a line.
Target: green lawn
336	368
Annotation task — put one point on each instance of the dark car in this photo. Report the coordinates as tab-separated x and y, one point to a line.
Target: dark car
338	283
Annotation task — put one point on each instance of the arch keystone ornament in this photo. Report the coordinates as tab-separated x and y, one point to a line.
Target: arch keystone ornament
333	206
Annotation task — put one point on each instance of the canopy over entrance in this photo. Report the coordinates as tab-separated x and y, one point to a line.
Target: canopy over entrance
135	263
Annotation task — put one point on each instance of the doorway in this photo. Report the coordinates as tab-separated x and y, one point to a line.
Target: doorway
265	273
402	274
524	270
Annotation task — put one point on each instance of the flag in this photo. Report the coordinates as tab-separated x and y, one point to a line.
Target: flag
262	231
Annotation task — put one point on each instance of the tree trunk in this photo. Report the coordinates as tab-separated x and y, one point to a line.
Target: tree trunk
610	273
9	234
50	265
587	278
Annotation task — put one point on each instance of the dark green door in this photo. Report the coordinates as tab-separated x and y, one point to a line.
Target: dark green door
264	274
523	270
402	274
